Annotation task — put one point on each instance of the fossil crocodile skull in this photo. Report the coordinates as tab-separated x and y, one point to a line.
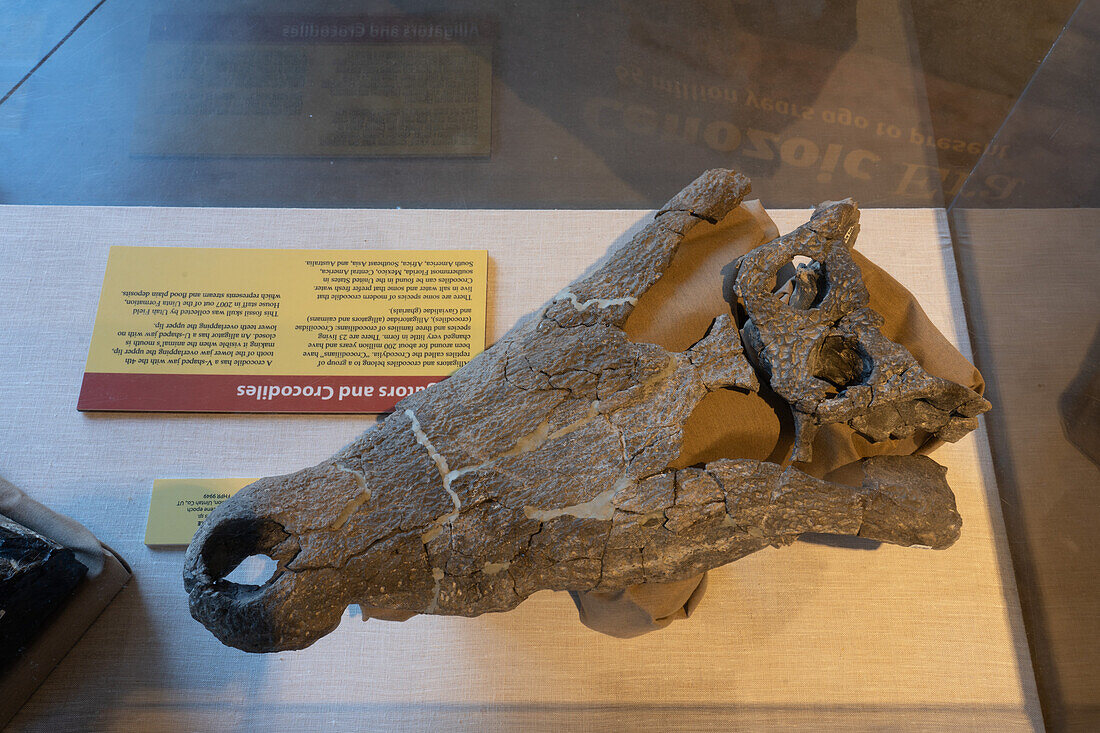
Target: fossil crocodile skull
544	462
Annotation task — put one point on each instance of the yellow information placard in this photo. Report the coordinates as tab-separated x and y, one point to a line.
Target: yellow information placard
179	505
265	330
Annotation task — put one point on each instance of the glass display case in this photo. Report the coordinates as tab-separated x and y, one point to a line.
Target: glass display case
966	131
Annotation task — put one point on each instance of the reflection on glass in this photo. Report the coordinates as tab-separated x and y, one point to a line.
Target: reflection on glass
605	104
315	86
1029	262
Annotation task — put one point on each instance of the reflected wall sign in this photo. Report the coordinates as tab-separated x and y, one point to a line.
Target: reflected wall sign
286	85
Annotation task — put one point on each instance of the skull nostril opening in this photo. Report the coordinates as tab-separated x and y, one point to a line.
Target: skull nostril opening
255	570
842	363
235	540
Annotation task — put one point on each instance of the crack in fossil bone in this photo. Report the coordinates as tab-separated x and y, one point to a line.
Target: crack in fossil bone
583	305
436	530
591	414
438	574
526	444
348	559
599	507
440	461
353	505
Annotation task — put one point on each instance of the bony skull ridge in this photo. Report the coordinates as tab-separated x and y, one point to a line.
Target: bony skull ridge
822	349
544	462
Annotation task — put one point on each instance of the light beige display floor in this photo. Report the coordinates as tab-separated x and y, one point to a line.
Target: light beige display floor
808	637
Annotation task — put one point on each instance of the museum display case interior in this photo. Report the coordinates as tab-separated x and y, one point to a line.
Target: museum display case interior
783	413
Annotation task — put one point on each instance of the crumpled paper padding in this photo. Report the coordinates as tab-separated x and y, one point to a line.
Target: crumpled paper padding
107	574
19	507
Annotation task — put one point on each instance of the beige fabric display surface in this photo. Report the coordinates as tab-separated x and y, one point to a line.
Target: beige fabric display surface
731	424
812	636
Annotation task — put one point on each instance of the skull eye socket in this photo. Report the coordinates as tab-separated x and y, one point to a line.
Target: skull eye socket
801	283
841	362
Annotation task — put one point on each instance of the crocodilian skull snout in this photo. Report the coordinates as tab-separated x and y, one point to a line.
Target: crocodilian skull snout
282	613
334	542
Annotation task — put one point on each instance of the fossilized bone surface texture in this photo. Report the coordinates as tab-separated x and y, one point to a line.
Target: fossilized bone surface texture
544	464
821	345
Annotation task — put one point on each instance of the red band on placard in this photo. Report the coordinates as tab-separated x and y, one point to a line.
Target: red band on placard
234	393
